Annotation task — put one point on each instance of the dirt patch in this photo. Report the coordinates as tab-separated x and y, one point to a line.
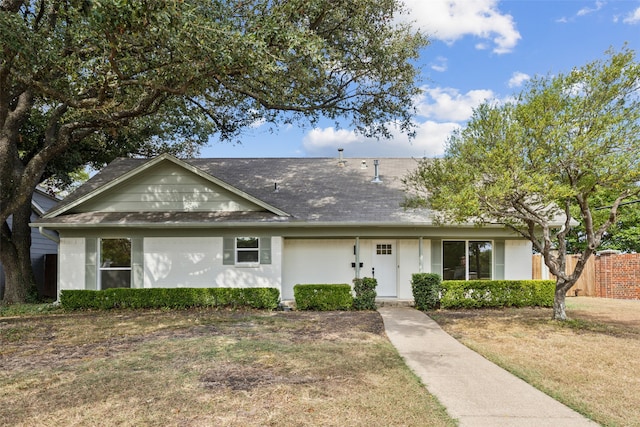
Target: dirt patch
246	378
324	325
37	342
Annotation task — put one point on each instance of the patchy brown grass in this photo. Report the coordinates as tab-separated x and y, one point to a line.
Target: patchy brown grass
591	363
207	367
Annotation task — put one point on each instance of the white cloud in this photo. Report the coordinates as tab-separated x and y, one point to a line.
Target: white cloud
450	20
588	10
448	104
321	138
429	142
440	64
518	78
439	112
632	17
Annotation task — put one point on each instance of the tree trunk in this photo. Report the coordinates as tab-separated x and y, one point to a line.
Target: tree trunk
15	255
559	307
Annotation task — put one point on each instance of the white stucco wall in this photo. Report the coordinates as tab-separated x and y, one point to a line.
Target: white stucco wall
409	256
316	261
71	263
327	261
517	260
196	262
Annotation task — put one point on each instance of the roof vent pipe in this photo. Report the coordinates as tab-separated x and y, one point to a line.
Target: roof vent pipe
341	161
376	177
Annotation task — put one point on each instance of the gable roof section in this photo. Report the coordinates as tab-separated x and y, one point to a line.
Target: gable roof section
97	192
42	201
293	192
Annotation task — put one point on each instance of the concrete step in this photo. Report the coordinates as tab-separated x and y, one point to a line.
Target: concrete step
394	302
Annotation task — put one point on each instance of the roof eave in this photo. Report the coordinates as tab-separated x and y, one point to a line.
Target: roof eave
285	223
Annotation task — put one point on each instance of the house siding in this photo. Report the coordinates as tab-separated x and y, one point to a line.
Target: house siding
167	188
40	245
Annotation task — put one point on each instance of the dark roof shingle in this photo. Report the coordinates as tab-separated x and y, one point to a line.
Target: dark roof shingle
308	189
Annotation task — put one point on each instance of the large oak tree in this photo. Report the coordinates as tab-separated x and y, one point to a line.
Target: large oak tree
567	145
95	69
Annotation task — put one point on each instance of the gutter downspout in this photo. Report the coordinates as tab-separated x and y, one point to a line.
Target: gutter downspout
420	256
357	257
49	236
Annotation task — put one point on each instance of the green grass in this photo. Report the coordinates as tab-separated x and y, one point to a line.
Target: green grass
7	310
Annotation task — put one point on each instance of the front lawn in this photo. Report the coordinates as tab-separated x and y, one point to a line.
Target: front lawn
206	367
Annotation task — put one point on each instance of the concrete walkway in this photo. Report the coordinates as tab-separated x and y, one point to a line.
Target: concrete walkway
475	391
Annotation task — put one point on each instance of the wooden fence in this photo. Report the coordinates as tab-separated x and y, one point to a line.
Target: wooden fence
608	274
586	284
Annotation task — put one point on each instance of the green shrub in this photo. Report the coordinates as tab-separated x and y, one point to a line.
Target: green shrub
260	298
426	290
497	293
365	290
33	296
323	297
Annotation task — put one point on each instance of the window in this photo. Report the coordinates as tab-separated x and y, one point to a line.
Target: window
467	260
383	249
247	250
480	260
115	263
454	258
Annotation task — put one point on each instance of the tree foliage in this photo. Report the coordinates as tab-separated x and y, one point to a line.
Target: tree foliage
96	77
623	235
566	145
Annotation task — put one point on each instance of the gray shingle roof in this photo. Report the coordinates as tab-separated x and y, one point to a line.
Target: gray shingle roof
310	190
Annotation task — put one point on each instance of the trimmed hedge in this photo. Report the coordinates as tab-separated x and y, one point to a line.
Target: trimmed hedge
365	290
426	290
497	293
260	298
323	297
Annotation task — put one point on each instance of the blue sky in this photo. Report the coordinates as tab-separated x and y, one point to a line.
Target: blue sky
480	50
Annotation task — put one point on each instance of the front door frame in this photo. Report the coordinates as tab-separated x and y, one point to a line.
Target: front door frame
385	269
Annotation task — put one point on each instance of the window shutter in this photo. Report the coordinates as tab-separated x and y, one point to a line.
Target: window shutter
436	256
228	251
265	250
90	264
137	262
499	256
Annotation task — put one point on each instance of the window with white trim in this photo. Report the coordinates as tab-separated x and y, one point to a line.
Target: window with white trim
115	263
247	250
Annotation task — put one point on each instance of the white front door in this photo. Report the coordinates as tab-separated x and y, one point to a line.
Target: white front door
384	268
